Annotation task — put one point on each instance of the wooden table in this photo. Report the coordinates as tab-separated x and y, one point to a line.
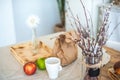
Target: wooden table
11	69
115	56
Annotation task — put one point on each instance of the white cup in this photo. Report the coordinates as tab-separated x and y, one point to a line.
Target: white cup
53	66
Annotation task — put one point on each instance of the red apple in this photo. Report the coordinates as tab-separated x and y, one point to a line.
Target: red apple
29	68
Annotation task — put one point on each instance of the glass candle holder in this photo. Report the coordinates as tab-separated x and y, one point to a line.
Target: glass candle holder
92	66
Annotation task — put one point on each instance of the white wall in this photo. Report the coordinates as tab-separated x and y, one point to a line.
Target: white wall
114	41
47	10
92	7
13	16
7	31
115	19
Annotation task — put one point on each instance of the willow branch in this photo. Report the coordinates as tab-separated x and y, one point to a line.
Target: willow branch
84	12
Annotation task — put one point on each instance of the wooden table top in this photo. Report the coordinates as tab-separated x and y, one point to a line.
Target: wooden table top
10	69
115	56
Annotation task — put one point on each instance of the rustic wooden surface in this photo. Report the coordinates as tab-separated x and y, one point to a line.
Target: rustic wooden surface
115	56
10	69
24	52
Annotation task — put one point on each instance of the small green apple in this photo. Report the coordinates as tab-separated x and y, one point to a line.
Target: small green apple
41	63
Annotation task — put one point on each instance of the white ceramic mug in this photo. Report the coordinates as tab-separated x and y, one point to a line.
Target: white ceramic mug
53	66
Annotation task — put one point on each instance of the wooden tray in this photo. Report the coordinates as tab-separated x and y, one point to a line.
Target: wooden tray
112	74
24	52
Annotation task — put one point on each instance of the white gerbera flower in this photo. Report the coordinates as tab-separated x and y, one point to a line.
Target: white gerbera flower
33	21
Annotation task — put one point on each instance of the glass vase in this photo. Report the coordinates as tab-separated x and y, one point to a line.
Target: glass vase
34	41
92	66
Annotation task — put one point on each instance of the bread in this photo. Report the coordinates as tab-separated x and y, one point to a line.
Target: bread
117	67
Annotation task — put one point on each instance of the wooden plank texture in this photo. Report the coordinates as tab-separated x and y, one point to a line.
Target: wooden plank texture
24	52
115	56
